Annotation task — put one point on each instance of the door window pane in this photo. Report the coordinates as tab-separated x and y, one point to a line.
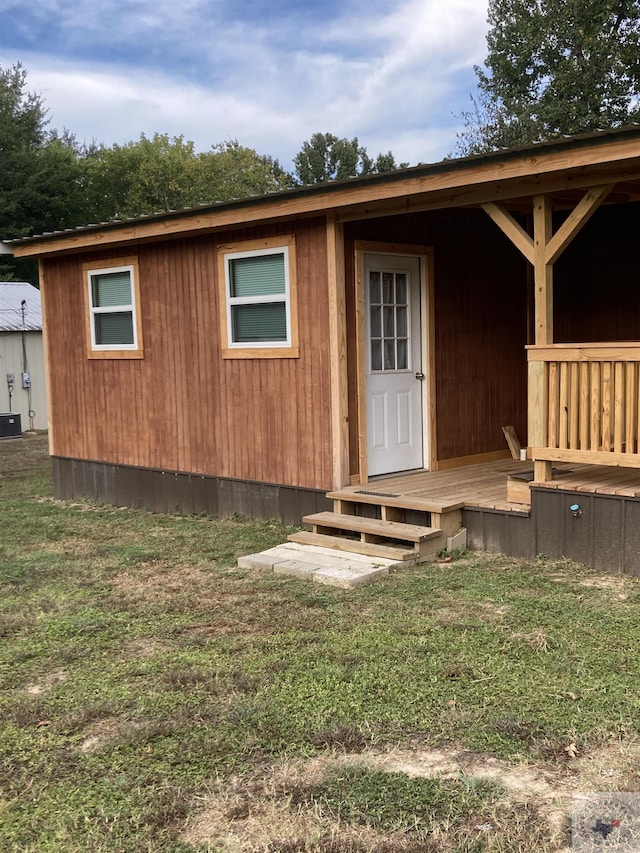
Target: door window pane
387	288
374	287
389	355
376	324
389	325
376	355
401	321
403	357
389	320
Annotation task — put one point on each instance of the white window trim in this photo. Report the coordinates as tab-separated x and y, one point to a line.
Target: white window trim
263	299
96	350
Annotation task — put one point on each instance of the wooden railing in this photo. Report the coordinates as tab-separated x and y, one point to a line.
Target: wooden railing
584	403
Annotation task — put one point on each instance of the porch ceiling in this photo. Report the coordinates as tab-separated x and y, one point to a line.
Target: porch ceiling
567	199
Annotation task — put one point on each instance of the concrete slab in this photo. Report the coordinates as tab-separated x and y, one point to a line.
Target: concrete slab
323	565
328	556
263	560
348	578
332	552
297	568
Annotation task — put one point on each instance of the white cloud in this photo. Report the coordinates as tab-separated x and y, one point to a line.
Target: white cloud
391	77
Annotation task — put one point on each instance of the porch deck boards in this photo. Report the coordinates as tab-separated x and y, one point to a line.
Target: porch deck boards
484	485
599	479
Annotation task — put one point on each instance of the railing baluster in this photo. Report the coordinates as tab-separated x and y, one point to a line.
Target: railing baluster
618	406
595	406
606	405
574	405
584	405
553	404
630	407
563	440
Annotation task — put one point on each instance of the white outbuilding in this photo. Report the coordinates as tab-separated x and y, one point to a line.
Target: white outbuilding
22	378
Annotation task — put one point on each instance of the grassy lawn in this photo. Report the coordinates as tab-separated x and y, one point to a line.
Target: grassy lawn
156	698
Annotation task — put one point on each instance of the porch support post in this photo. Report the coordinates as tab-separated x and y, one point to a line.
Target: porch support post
543	289
542	252
338	353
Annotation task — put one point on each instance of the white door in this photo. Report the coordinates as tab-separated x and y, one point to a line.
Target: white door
394	379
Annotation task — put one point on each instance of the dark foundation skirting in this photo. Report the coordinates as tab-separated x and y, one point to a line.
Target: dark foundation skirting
601	531
172	491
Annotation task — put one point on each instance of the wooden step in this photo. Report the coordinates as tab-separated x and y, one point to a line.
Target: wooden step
364	495
371	527
354	546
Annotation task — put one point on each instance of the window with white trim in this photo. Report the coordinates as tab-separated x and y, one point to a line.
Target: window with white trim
258	304
258	298
113	320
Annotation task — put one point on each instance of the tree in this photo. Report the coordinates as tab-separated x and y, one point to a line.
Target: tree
554	67
325	157
142	177
22	133
231	170
39	176
165	173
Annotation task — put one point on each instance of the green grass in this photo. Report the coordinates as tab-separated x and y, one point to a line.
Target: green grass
138	668
396	802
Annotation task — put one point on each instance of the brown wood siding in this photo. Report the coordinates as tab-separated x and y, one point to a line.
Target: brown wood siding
596	280
480	290
182	407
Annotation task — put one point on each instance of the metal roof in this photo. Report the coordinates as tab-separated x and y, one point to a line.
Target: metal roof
12	295
551	145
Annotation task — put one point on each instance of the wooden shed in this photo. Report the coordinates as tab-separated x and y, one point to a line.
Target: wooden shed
359	346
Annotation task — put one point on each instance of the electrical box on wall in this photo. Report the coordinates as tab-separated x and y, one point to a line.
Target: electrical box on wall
26	380
10	425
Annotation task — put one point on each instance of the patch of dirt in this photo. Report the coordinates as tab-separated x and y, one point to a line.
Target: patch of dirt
485	611
613	767
620	584
46	683
104	732
160	581
144	647
537	639
546	787
99	734
261	813
239	816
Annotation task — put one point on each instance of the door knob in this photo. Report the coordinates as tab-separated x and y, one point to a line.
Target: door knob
419	375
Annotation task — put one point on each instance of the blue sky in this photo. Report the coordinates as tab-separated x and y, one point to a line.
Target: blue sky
394	73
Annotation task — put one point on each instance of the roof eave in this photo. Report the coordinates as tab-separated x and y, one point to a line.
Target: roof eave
499	166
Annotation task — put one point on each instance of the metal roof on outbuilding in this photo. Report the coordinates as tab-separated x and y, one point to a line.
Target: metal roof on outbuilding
12	316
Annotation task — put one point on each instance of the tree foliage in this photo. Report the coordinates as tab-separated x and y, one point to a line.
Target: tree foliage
325	157
555	67
39	170
49	182
22	132
165	173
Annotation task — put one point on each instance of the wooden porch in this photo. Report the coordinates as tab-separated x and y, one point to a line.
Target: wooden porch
412	516
484	485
